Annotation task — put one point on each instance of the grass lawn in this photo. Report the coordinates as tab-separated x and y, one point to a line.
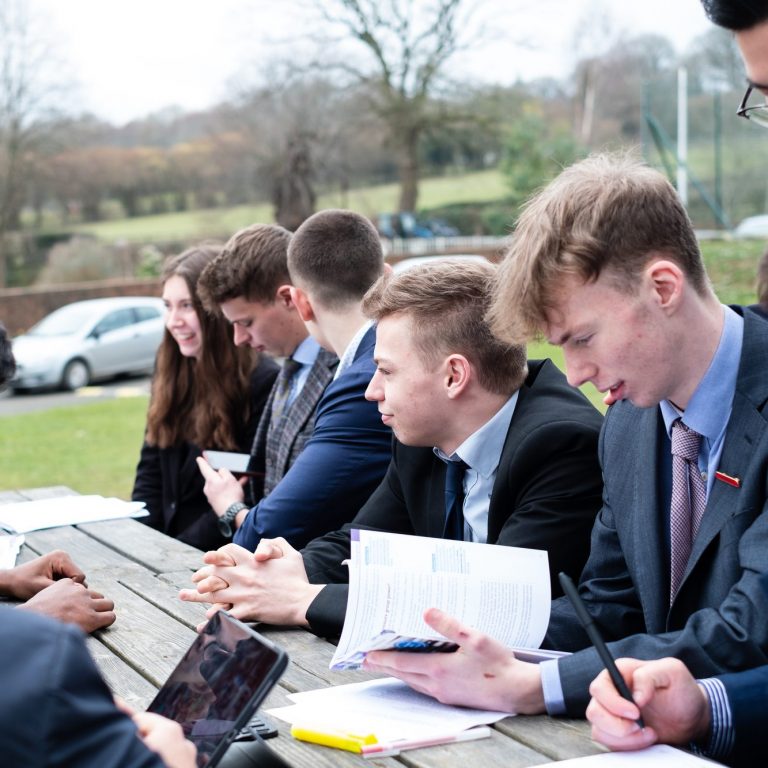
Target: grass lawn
90	448
222	222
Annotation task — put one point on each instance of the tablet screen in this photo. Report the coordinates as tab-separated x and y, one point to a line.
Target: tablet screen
224	676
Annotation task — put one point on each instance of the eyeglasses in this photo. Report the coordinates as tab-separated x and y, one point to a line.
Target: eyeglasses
758	113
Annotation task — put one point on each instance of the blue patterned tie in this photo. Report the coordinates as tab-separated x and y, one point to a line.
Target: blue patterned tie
689	497
454	500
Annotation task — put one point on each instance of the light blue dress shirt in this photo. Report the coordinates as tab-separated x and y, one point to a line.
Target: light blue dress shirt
306	355
481	452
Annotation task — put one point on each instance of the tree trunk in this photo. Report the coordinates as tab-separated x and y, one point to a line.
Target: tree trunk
408	170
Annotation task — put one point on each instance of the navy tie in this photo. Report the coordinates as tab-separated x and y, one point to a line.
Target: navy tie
454	500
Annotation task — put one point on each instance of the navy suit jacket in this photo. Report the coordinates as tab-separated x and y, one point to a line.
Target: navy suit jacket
545	496
55	709
339	468
718	621
748	696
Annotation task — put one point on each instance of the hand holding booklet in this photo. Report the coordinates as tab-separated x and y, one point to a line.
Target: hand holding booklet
393	578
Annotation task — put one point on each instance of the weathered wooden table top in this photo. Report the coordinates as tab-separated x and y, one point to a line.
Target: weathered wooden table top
142	571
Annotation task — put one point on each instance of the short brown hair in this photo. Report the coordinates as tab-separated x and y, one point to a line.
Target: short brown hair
605	214
337	254
762	281
446	303
253	265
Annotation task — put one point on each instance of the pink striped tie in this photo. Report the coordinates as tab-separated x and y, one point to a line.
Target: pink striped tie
689	497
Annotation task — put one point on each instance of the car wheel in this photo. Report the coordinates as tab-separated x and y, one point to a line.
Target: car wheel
76	375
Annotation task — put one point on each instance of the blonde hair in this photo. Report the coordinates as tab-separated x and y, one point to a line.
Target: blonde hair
446	304
604	215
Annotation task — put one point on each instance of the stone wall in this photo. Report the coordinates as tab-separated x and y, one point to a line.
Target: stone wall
21	308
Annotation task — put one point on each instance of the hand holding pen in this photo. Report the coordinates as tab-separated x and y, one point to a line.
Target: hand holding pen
594	636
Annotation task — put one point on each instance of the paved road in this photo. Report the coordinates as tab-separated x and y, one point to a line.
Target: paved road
14	404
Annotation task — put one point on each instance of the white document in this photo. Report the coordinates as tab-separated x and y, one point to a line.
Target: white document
394	578
25	516
10	546
653	757
387	708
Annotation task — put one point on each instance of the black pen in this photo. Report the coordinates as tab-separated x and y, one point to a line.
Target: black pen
594	635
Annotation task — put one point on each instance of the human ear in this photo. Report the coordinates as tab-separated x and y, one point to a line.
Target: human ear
666	280
458	375
302	303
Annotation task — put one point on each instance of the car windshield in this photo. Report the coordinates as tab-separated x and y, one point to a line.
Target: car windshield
63	322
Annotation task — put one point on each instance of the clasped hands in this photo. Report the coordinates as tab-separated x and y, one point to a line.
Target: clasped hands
268	585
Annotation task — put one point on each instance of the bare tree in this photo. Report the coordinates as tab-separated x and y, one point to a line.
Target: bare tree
405	46
27	92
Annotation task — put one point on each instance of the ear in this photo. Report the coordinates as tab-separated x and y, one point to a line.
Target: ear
458	374
667	282
302	303
283	296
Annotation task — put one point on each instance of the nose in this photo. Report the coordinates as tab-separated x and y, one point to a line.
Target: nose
577	370
240	335
374	392
172	317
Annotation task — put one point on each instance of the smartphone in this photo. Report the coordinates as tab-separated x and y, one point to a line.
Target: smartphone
236	463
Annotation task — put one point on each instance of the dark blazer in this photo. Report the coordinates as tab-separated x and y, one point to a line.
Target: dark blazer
545	496
717	622
55	709
275	456
339	468
748	696
169	481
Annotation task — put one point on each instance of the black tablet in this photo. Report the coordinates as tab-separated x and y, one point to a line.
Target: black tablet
223	678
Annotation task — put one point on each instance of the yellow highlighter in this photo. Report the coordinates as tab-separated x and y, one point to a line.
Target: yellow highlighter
330	737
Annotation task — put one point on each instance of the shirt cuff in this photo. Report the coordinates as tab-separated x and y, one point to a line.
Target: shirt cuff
554	700
721	735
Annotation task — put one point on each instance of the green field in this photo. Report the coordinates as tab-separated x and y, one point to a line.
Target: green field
221	222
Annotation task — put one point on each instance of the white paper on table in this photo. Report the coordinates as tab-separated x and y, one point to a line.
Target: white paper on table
25	516
657	755
387	708
10	546
502	591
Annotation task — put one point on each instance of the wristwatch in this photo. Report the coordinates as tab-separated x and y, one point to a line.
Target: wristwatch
225	521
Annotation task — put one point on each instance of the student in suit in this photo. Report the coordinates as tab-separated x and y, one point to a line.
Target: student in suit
333	258
726	715
193	407
57	710
448	388
51	584
249	285
605	262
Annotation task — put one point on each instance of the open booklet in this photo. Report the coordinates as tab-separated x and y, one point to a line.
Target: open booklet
502	591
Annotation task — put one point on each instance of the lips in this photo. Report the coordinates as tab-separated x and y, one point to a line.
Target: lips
615	393
386	418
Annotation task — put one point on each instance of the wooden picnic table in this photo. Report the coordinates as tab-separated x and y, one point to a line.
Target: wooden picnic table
142	571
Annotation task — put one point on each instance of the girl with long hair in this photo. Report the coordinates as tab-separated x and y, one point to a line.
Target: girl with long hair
206	394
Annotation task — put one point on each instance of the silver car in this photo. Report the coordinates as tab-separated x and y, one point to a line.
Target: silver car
89	340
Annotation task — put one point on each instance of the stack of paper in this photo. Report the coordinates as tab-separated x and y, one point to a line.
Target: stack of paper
26	516
387	708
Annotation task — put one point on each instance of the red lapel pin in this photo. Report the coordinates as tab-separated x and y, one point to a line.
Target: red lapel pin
728	480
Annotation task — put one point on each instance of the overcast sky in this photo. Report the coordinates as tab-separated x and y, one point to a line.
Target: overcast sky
132	58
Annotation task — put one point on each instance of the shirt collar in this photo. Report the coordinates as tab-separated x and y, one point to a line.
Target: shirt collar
306	353
481	451
717	386
348	357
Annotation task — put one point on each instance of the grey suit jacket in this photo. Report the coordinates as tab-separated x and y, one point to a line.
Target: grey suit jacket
719	619
296	427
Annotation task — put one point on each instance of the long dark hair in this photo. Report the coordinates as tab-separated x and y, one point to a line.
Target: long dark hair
205	401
